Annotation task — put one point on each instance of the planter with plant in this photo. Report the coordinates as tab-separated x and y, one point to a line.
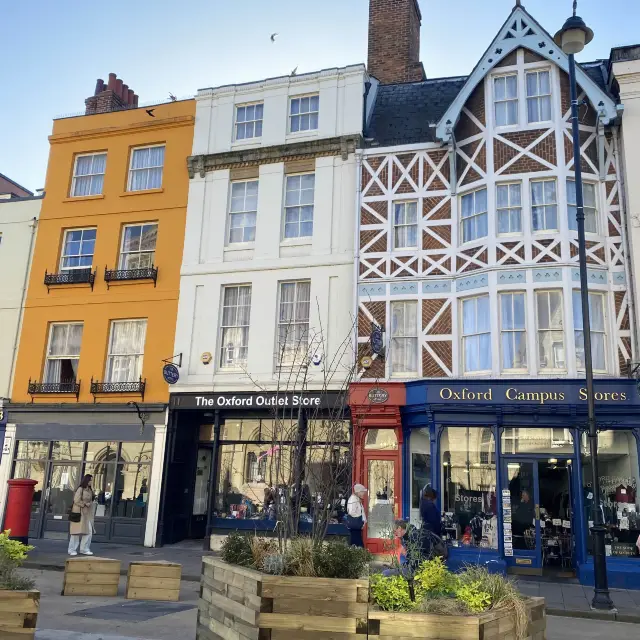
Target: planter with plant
312	590
19	602
468	605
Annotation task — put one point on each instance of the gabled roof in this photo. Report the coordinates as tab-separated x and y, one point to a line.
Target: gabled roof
13	182
522	30
407	113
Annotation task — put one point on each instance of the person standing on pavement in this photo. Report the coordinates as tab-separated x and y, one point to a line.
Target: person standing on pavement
81	529
356	517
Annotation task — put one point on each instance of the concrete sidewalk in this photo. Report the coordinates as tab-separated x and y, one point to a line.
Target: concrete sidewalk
52	554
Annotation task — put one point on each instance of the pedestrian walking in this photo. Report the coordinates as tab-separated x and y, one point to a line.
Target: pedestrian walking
81	518
356	517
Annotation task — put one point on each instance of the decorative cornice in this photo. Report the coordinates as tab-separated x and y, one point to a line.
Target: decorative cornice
367	290
436	286
472	282
594	276
403	288
126	129
339	146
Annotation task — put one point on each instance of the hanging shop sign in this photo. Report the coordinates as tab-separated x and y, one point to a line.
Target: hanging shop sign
378	395
377	340
610	392
170	373
270	400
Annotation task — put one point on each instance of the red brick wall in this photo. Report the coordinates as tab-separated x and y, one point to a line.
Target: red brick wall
394	41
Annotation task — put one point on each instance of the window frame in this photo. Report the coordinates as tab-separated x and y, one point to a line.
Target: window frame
510	208
475	214
464	336
573	205
602	295
237	362
291	115
495	101
299	207
513	331
47	357
538	97
74	176
110	355
281	361
122	254
244	212
545	205
63	255
247	139
404	204
131	169
414	337
550	330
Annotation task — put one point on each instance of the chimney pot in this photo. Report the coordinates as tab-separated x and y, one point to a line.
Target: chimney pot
394	41
99	86
112	81
135	99
125	93
130	97
118	88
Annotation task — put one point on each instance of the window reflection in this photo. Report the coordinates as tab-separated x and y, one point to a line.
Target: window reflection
381	439
544	440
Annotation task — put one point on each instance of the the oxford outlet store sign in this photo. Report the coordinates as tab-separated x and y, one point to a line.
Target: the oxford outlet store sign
613	392
268	400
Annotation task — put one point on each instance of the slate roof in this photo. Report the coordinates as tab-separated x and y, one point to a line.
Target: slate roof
403	112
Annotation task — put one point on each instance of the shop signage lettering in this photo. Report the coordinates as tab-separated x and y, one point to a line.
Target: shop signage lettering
259	401
378	396
539	394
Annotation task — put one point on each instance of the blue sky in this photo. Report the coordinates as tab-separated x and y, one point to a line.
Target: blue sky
52	51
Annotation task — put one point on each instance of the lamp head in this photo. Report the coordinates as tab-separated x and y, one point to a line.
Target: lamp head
574	35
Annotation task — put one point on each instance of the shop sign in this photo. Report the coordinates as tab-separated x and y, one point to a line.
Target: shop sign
6	446
623	549
3	416
377	340
170	373
610	392
378	395
258	401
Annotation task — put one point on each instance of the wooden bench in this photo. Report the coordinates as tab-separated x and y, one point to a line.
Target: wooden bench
151	580
18	614
91	576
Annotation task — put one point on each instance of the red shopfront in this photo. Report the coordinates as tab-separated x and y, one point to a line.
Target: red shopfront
377	456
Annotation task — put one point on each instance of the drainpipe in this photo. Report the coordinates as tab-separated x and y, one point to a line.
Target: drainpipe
356	256
33	225
630	275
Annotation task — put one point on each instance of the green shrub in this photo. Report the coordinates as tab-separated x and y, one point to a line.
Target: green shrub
337	560
236	549
433	578
390	593
12	554
299	557
473	596
444	606
260	549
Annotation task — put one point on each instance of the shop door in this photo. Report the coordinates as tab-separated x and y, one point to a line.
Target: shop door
537	513
383	502
63	480
201	493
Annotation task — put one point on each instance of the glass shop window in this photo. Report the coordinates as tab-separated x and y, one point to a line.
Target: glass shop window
420	466
381	439
542	440
468	475
619	502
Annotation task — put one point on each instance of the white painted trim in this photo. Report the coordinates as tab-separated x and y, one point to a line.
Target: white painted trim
607	111
155	484
5	468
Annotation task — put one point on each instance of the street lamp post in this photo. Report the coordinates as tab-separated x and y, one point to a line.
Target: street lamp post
573	36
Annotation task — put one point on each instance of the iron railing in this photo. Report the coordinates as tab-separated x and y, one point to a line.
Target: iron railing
72	276
120	275
71	387
137	387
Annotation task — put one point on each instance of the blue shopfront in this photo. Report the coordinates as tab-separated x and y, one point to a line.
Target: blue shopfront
510	462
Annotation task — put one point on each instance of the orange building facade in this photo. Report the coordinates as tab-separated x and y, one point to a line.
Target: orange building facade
88	394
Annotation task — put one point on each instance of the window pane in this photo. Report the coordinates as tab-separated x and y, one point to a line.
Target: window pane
101	451
33	449
131	490
468	477
512	86
66	450
136	451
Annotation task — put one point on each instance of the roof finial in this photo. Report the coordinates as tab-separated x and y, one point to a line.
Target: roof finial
518	3
575	6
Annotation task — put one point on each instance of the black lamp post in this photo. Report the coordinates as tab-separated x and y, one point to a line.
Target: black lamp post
573	37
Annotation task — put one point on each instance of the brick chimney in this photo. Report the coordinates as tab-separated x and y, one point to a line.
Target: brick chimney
113	96
394	41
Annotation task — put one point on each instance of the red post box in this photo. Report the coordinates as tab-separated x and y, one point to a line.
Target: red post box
18	513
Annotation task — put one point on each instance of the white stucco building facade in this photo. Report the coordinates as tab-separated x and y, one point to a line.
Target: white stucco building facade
269	244
18	225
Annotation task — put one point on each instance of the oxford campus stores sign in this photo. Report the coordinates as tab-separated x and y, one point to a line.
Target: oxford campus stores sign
548	392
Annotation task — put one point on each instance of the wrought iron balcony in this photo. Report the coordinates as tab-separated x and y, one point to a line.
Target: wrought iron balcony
120	275
71	276
137	387
71	387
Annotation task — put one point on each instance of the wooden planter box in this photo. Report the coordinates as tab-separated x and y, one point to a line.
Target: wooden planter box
493	625
154	581
91	576
243	604
18	614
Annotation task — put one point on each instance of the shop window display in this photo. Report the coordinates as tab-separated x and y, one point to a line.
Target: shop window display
619	479
468	475
258	476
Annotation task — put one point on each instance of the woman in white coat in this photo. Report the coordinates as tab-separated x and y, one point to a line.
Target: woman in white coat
82	530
